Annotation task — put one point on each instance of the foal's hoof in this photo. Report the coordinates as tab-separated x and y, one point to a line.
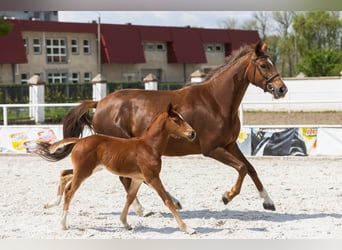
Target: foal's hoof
225	200
269	206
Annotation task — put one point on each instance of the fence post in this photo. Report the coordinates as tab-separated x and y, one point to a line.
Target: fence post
37	96
151	82
99	87
197	76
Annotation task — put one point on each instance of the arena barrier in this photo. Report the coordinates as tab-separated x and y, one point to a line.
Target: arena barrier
253	141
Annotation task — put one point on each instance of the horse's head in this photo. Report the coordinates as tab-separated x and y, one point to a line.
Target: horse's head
262	72
177	127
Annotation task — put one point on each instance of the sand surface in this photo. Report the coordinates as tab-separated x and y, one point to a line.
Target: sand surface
307	193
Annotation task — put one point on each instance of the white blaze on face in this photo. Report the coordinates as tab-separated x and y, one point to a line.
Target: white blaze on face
269	60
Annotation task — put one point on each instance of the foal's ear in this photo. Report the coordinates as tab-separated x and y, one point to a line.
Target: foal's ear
260	48
171	110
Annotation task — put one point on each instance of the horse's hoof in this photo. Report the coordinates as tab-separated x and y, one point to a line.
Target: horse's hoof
148	214
225	200
269	206
178	205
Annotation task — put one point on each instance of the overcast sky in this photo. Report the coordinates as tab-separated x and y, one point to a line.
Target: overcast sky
206	19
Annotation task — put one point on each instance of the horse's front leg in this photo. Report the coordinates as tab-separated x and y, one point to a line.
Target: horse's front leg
268	203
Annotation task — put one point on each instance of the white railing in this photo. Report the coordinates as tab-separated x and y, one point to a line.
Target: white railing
6	106
288	108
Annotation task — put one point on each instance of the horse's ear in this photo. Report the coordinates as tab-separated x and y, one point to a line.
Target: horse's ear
169	109
260	48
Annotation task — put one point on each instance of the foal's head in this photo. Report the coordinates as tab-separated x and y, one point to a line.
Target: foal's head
262	72
177	127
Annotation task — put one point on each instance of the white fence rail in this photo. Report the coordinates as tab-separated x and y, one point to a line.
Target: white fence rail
5	108
277	105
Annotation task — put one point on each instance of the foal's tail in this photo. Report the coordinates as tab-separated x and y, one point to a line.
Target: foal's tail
55	151
73	124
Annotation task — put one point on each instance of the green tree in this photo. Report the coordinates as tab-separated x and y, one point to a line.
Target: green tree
5	28
318	39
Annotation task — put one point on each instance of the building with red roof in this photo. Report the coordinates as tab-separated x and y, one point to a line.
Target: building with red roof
68	52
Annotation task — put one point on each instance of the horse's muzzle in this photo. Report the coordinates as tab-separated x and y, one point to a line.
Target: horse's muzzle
192	135
277	92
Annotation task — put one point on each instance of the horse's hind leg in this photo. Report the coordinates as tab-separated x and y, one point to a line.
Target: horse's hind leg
65	178
233	156
131	195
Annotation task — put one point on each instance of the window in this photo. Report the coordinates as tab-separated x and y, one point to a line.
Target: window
24	78
210	48
160	47
149	46
74	46
154	46
36	46
213	48
57	77
86	47
26	45
87	77
56	50
75	78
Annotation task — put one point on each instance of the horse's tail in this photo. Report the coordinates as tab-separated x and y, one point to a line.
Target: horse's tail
73	124
77	118
55	151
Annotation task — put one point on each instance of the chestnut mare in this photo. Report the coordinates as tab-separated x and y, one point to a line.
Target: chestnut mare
136	158
211	108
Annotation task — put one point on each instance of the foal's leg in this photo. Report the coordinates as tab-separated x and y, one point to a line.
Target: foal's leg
156	183
268	203
131	195
70	190
65	178
139	210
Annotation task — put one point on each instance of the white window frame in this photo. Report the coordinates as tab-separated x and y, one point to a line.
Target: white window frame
74	47
87	78
56	50
37	46
86	47
57	77
24	80
75	77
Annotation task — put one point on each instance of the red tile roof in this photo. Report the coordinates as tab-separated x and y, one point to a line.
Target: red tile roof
12	48
123	43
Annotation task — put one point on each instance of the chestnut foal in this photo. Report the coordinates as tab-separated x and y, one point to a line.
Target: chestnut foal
138	158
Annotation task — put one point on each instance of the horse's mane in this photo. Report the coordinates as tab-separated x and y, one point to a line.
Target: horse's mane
230	60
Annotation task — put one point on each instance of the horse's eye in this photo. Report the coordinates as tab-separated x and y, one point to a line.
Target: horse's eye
176	120
263	66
